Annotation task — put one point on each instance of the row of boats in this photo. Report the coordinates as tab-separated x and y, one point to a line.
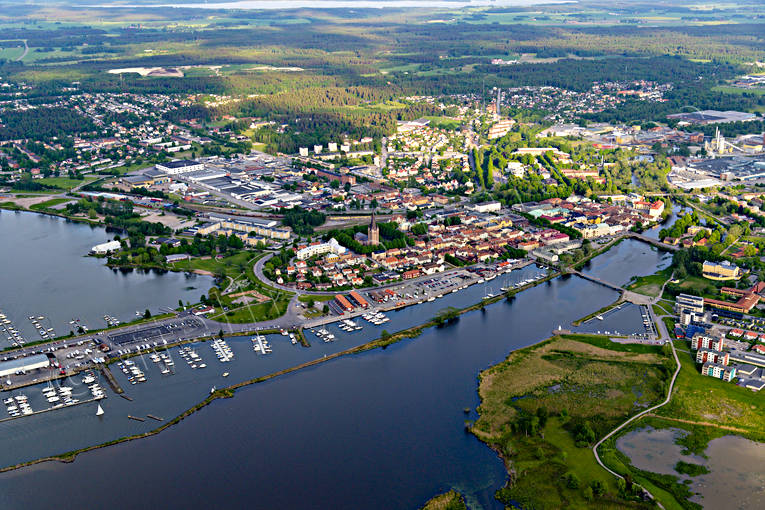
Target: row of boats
134	374
260	345
222	350
376	318
191	357
17	406
14	337
521	283
163	360
324	334
111	321
79	326
45	333
349	326
60	396
293	338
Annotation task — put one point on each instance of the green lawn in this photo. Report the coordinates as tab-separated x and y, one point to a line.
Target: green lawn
700	398
699	285
663	308
65	182
650	285
238	267
254	313
49	203
318	298
738	90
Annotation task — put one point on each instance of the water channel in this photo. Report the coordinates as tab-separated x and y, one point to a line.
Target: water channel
380	429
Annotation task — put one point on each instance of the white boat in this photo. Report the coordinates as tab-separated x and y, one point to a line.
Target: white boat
225	374
100	410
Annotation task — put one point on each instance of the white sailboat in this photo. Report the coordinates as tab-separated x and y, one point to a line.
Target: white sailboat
100	410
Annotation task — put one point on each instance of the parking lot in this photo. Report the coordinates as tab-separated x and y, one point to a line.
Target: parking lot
167	331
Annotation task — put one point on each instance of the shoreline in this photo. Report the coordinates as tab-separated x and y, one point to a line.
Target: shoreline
229	391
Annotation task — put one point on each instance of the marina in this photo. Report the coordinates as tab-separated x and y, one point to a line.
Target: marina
444	361
169	387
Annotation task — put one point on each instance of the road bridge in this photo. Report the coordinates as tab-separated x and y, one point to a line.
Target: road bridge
627	295
651	240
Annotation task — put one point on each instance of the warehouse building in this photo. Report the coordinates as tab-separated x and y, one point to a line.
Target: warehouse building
105	248
180	167
25	364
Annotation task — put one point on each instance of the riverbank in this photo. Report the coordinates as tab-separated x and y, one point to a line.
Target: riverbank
383	341
543	407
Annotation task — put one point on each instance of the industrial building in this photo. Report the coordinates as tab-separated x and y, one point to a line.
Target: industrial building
105	248
25	364
180	167
712	117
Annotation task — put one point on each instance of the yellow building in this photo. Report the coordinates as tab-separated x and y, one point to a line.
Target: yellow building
721	271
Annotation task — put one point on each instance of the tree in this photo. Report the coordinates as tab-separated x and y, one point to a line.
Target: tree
325	309
572	481
147	314
311	302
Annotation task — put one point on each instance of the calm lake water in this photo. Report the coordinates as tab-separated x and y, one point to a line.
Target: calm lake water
382	429
735	481
627	259
45	272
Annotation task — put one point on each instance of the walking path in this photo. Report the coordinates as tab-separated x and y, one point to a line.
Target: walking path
662	329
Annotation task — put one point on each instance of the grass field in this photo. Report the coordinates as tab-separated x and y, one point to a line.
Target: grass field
577	380
451	500
49	203
318	298
66	183
650	285
738	90
236	271
11	54
700	285
702	399
663	308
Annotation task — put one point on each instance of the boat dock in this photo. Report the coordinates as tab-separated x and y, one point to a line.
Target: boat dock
261	345
112	381
3	420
